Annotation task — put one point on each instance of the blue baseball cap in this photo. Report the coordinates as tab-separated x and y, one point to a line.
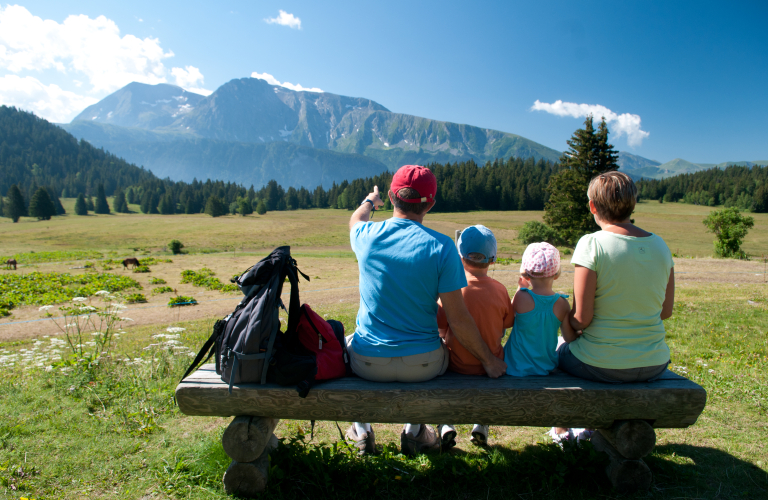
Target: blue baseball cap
478	239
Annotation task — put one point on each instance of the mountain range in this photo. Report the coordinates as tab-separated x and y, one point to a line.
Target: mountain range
249	132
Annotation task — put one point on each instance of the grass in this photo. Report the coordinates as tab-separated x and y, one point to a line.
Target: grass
320	231
112	431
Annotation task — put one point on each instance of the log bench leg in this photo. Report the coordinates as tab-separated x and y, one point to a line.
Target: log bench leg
248	479
248	442
625	443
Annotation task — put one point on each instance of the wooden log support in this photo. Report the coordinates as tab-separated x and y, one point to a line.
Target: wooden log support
625	475
633	439
245	438
248	479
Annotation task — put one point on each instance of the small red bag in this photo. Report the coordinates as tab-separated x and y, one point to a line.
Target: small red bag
326	341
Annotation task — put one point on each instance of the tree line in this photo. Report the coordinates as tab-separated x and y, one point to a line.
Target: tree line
734	186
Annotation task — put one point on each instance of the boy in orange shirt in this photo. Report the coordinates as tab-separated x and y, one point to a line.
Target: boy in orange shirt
489	304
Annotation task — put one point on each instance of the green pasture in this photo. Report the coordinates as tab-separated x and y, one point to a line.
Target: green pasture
72	429
128	234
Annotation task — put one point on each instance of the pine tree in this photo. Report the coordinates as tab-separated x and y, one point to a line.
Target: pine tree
215	207
89	203
167	206
589	155
131	196
80	206
261	207
2	206
41	206
56	201
15	206
101	207
121	206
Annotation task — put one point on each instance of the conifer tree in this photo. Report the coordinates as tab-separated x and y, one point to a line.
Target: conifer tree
261	207
167	206
120	205
101	207
80	206
56	201
214	207
14	206
89	203
589	155
41	206
131	196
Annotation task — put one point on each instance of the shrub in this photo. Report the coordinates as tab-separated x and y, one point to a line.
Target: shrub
161	289
534	232
156	281
175	246
261	207
181	300
142	269
135	298
205	278
730	228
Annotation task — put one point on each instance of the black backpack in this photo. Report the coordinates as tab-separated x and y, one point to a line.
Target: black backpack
244	341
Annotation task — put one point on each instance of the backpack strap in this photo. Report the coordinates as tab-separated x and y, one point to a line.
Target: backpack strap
208	348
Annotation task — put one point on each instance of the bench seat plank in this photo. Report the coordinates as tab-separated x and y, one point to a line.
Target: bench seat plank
558	399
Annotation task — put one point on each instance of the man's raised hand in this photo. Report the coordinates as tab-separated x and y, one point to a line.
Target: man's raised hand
375	198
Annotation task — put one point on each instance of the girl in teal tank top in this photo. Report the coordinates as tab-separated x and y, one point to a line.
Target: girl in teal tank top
539	314
532	345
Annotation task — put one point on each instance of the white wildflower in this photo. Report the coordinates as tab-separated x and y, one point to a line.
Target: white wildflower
87	308
119	306
49	368
174	329
126	319
45	308
79	299
102	292
711	370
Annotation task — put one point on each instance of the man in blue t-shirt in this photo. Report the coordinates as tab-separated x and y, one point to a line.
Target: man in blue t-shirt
404	268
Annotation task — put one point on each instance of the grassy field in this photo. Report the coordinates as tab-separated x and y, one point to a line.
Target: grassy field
111	430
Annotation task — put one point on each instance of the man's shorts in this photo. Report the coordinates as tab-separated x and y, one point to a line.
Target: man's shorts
414	368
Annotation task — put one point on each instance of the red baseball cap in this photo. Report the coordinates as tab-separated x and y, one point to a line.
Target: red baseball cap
415	177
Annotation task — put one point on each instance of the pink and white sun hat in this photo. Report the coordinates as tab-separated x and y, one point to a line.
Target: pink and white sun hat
540	260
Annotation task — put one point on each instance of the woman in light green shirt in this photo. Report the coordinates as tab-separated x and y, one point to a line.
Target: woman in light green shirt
624	287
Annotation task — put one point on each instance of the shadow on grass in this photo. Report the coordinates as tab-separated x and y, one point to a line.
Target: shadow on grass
301	470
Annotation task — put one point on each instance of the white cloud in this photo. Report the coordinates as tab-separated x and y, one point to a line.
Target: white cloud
285	19
188	78
273	81
91	53
48	101
625	123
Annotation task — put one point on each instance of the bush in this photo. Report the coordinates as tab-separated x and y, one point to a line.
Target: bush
205	278
730	228
175	246
261	207
182	300
534	232
156	281
161	289
142	269
135	298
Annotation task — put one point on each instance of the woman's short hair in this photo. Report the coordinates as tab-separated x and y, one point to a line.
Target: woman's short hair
614	195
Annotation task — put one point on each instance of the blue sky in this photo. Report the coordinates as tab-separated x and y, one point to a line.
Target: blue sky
677	79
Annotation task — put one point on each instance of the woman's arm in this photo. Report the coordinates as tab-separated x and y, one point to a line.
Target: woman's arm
563	310
584	286
669	297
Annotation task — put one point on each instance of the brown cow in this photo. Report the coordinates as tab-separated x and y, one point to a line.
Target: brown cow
131	261
10	263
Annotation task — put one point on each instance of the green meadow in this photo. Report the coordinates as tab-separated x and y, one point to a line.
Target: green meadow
90	426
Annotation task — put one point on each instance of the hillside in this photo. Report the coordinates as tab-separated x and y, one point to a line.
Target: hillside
250	110
34	151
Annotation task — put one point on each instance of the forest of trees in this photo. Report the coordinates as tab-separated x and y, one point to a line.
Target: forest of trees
37	154
734	186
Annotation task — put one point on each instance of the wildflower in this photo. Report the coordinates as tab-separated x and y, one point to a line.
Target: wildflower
711	370
49	368
126	319
102	292
45	308
174	329
79	299
119	306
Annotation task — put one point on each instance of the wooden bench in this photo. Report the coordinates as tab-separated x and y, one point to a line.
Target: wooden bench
624	415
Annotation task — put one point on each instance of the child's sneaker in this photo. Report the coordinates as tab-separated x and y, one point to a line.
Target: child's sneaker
480	435
426	440
365	442
447	436
558	439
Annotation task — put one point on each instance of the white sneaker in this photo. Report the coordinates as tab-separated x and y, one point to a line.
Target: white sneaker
480	435
447	436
